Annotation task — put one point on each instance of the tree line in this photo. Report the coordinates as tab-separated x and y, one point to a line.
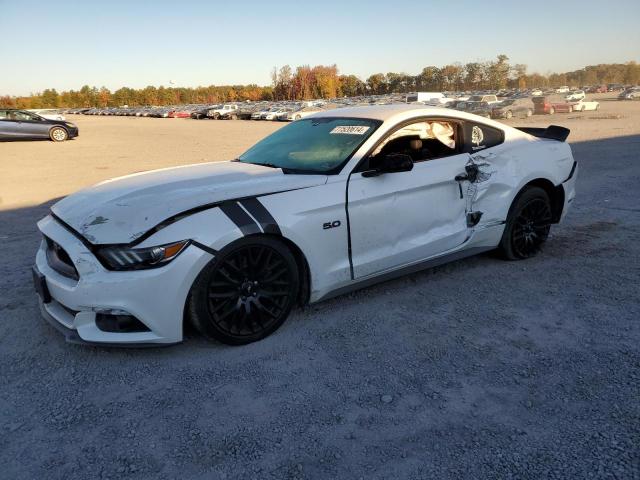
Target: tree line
325	81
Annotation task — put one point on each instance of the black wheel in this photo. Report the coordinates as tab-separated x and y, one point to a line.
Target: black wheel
58	134
528	225
245	293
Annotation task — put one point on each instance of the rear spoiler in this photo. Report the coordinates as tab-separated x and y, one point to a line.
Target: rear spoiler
552	132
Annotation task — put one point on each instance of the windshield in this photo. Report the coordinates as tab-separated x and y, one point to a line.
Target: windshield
319	145
475	98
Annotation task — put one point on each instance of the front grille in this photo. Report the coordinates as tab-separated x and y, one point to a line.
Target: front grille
59	260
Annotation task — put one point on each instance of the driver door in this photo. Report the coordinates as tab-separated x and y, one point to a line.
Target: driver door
401	218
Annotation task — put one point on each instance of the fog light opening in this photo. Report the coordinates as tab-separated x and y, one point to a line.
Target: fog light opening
119	323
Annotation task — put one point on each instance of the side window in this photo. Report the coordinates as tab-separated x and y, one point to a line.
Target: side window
22	116
478	137
3	115
425	140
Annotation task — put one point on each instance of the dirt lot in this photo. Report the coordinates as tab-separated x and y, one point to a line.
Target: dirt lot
478	369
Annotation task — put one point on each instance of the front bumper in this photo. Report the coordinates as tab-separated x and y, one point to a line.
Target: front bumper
156	297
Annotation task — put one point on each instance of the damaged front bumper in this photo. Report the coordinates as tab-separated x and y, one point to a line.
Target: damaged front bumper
155	298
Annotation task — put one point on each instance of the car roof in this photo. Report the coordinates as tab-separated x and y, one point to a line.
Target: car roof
398	110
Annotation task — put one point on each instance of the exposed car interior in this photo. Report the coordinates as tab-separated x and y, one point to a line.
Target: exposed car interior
421	141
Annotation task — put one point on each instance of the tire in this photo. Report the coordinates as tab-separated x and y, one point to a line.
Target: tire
298	117
216	116
529	112
552	111
508	114
58	134
528	225
246	292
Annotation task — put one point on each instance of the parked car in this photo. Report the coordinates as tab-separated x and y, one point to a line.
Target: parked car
583	106
482	109
536	92
490	99
259	114
274	113
226	111
519	107
233	246
20	124
564	107
303	112
549	105
563	89
48	113
615	87
575	95
632	93
200	113
597	89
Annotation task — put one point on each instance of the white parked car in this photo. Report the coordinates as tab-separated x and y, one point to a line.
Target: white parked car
583	106
274	114
563	89
259	114
575	95
325	205
536	92
49	114
302	113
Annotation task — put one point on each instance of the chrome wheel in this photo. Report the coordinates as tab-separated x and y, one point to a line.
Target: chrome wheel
58	134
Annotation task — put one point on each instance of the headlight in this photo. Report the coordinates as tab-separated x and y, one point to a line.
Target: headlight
69	124
125	258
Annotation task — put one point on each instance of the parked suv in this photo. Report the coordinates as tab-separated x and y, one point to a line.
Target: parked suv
226	111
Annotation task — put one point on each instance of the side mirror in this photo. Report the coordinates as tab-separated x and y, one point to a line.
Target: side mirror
390	163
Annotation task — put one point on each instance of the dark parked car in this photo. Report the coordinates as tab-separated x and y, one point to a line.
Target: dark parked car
15	124
519	107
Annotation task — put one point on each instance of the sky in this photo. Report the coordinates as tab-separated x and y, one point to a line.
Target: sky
190	43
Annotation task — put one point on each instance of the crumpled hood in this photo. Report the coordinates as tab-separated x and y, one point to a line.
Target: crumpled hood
123	209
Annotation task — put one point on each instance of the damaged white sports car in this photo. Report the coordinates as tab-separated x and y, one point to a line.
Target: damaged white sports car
327	204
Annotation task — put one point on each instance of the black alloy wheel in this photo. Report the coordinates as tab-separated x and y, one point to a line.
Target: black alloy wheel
528	225
246	293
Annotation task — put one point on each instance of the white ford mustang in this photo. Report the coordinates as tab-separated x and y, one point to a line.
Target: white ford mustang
327	204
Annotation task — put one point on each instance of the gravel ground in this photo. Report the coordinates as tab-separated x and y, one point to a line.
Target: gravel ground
477	369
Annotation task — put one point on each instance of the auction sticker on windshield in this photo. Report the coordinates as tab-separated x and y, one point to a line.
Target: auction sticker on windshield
350	130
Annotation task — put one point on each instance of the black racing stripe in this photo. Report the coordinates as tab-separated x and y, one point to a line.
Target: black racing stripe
262	215
209	250
238	216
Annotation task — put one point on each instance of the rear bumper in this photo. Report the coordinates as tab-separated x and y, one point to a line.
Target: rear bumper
569	186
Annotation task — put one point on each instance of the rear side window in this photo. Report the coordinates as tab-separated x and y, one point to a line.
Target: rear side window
478	137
